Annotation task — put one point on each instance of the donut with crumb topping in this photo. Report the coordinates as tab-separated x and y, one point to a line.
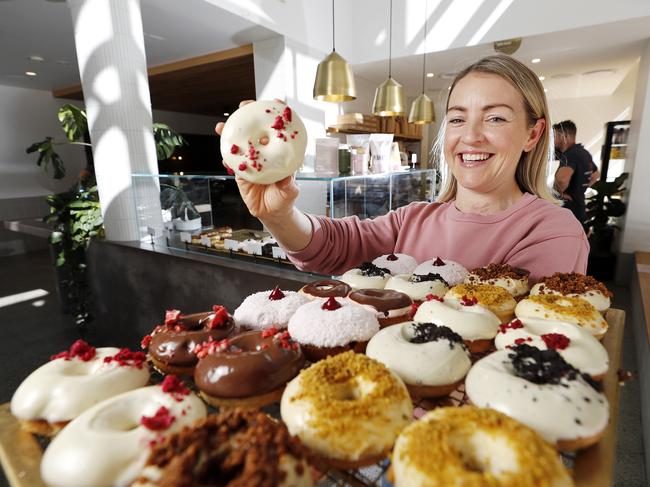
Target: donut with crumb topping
233	448
171	344
495	298
471	446
366	276
418	286
575	285
563	308
512	279
348	409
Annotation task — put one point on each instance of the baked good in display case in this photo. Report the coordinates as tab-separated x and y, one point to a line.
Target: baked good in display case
418	286
391	307
72	382
452	272
512	279
432	360
575	285
397	263
366	276
267	309
171	345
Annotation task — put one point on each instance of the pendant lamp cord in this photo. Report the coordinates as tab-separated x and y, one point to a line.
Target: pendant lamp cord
390	39
424	55
333	23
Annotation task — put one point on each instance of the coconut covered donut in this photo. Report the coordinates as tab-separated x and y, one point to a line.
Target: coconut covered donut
109	443
330	326
575	285
495	298
472	446
452	272
366	276
540	389
396	263
418	286
245	448
267	309
512	279
263	142
348	409
430	359
563	308
476	324
576	345
72	382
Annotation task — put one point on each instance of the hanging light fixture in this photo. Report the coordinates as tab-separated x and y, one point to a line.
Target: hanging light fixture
334	80
422	107
389	96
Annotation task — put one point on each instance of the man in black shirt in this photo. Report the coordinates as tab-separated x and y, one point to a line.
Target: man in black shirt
577	170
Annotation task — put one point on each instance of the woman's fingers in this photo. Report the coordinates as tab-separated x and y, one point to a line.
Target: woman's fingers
245	102
219	128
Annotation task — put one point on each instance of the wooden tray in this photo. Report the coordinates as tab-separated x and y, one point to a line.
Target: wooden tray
20	452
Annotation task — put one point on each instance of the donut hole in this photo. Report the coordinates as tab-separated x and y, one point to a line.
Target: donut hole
324	287
346	392
483	452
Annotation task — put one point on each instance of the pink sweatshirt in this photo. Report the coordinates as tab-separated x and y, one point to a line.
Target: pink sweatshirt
533	234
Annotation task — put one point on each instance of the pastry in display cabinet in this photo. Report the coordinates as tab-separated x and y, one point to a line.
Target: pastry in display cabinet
245	447
512	279
472	446
109	443
452	272
555	307
266	309
170	346
397	263
348	409
263	142
418	286
432	360
72	382
540	389
390	307
575	285
331	326
366	276
248	370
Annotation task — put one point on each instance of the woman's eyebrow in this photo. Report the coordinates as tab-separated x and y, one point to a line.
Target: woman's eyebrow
485	108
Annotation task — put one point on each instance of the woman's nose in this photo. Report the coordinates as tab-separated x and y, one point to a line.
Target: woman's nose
472	132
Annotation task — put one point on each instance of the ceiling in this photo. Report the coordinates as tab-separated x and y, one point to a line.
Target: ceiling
44	28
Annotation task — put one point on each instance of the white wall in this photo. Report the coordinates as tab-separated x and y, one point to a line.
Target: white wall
28	116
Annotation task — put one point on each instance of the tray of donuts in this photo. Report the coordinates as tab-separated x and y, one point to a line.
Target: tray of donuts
397	373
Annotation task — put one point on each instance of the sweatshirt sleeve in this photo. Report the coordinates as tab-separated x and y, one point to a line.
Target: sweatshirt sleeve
340	244
567	253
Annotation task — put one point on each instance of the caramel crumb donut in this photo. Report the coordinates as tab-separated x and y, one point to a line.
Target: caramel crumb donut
348	409
575	285
263	142
471	446
237	447
495	298
512	279
326	288
540	389
563	308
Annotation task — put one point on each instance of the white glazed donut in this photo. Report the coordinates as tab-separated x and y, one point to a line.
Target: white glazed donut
263	142
418	287
512	279
265	309
561	404
109	443
366	276
472	322
575	285
314	324
421	354
65	387
452	272
563	308
576	345
396	263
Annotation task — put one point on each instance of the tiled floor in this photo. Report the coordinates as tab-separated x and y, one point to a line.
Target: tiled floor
33	330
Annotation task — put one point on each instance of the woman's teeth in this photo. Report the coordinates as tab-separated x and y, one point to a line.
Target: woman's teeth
474	157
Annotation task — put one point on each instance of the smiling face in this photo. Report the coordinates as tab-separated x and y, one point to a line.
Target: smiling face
487	131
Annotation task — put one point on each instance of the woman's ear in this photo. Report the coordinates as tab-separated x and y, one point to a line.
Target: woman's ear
534	134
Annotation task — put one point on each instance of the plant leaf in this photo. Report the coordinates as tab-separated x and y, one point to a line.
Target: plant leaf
167	140
73	121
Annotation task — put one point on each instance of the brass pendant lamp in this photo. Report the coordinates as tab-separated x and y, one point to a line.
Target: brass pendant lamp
422	107
389	96
334	79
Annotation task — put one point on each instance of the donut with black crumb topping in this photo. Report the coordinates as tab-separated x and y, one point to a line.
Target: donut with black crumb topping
575	285
366	276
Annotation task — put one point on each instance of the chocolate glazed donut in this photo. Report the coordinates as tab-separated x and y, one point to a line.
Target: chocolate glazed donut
249	370
392	306
326	288
171	345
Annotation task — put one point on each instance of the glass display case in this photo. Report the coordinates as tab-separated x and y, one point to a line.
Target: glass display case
206	213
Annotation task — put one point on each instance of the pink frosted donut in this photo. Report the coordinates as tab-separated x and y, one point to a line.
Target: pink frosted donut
263	142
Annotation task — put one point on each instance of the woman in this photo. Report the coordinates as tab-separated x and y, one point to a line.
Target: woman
494	207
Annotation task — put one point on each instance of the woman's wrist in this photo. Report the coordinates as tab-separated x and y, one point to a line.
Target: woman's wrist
292	230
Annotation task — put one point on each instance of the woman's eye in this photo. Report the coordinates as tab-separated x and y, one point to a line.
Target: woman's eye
455	121
496	119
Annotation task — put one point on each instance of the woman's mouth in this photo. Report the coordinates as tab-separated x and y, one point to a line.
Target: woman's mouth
474	159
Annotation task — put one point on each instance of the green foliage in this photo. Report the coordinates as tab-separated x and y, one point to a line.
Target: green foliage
73	122
167	141
606	204
47	155
175	198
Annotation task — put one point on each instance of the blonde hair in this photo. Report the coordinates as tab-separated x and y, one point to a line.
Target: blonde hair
531	172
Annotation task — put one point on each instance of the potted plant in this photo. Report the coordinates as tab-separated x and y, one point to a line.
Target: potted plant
75	215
